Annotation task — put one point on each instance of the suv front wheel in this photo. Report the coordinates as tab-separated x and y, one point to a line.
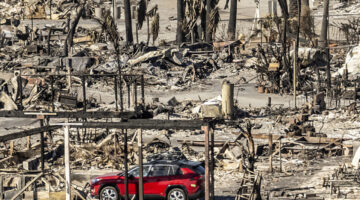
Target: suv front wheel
176	194
109	193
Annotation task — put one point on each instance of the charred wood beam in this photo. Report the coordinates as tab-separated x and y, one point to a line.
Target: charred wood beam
202	143
26	187
132	124
131	77
21	134
310	140
146	124
80	114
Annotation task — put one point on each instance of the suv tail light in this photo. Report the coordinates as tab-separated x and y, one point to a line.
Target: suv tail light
195	178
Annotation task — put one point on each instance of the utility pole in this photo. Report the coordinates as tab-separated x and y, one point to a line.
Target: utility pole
180	19
232	20
128	25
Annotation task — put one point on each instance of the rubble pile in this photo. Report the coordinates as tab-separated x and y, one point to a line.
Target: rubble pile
67	65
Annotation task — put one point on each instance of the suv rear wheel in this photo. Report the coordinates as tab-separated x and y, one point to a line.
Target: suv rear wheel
109	193
176	194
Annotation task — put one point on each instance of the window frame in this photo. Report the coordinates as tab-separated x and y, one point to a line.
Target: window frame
170	167
137	168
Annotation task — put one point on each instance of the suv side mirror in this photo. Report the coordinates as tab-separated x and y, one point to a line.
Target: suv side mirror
130	176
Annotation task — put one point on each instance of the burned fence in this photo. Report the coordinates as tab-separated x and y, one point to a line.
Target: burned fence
51	92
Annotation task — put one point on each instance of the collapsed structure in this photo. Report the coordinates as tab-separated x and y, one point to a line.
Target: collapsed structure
78	99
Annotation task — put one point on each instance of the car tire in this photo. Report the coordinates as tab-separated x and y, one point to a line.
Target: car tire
176	194
109	193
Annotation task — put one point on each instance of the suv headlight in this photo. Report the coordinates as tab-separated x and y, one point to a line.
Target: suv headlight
95	180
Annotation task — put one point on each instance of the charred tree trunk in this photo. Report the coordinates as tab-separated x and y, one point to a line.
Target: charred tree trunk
304	7
71	33
293	8
304	12
180	19
208	21
296	52
324	25
232	20
324	42
285	13
128	25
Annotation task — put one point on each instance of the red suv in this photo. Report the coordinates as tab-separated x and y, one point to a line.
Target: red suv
173	180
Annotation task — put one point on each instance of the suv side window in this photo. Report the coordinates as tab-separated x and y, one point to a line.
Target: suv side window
178	171
160	170
175	171
135	171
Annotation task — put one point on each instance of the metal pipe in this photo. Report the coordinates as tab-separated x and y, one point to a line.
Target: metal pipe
84	92
207	171
1	187
116	91
135	94
128	88
126	164
52	94
141	181
280	155
294	73
270	138
20	90
142	90
121	94
67	162
42	147
212	183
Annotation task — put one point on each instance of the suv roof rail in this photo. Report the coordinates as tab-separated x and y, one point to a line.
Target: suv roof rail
174	155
